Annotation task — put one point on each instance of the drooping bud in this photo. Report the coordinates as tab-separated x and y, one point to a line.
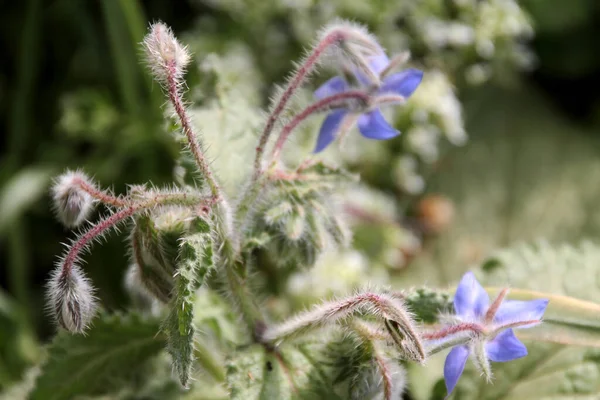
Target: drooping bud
155	273
354	45
166	57
140	296
295	223
71	300
72	203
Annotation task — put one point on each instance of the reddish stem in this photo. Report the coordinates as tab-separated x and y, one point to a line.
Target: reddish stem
385	375
175	98
517	324
323	104
451	330
107	223
96	230
103	196
302	73
493	309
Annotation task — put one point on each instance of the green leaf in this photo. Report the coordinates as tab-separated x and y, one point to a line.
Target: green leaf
110	353
20	192
557	269
546	271
283	374
195	263
427	304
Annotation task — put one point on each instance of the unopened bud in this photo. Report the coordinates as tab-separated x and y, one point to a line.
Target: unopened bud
140	296
275	214
354	46
71	300
155	273
354	35
165	56
295	224
71	203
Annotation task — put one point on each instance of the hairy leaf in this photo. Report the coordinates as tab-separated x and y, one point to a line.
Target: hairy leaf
111	352
285	373
195	263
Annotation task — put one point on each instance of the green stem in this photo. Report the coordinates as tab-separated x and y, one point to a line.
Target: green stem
447	344
27	70
250	311
126	66
209	362
19	262
234	272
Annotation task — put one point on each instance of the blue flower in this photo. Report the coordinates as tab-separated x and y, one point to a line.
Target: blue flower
371	122
495	339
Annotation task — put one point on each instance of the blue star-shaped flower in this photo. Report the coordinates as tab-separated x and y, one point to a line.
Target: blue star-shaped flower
495	323
371	123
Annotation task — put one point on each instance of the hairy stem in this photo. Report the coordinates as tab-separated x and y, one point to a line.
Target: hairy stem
493	309
103	196
437	347
233	270
326	103
99	228
451	330
300	76
368	303
386	375
196	149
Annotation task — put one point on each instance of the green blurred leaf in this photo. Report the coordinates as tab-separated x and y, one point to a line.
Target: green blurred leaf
110	354
20	192
524	176
546	270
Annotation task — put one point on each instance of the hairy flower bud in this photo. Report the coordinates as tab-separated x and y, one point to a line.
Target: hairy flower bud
140	296
166	57
354	45
71	202
71	300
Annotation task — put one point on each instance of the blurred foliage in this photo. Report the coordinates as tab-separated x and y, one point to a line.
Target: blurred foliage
73	94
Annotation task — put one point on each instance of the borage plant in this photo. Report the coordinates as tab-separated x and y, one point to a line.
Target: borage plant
192	245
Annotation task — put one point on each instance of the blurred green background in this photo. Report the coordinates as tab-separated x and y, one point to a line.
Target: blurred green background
74	93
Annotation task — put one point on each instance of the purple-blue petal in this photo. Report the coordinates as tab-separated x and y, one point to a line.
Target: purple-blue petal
454	366
403	83
329	129
373	125
470	299
505	347
377	63
333	86
514	311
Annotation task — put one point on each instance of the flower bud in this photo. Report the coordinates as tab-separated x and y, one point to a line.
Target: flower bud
71	203
295	224
140	296
165	56
155	273
71	300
